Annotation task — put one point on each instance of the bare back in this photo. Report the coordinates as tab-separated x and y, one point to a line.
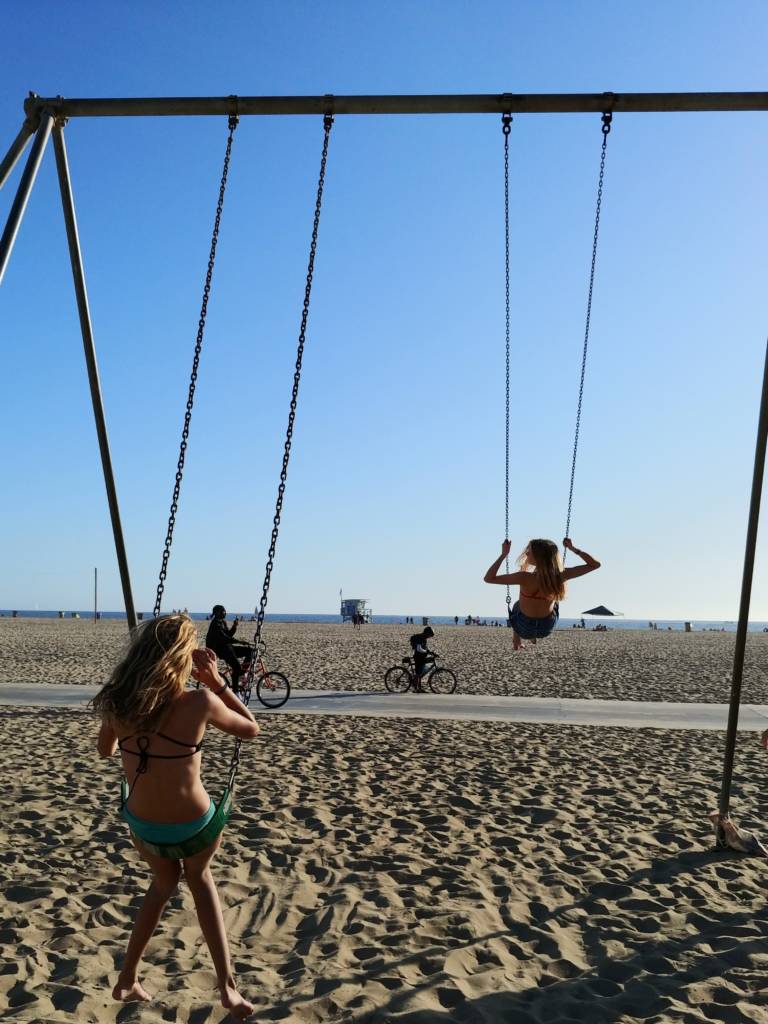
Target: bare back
170	789
533	601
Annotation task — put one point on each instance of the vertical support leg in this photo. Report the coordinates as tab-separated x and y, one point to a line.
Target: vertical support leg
25	187
746	592
93	371
14	153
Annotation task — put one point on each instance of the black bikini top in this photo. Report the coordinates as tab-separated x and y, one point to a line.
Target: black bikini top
143	753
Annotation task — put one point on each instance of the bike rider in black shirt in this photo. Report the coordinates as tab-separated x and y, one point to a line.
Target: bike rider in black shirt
422	656
219	639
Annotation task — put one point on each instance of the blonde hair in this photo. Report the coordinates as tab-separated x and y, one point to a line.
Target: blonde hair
544	557
153	671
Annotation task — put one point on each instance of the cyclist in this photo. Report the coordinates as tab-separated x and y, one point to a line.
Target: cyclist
423	658
219	639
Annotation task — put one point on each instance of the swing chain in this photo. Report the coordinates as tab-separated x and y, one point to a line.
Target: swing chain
235	762
506	125
327	124
607	118
232	125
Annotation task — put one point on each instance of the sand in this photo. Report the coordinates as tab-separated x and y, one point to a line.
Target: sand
400	870
619	664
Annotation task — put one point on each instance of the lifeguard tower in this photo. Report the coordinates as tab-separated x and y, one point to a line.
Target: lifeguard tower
351	606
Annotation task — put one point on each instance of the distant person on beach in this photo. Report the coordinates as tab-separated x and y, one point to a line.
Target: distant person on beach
219	640
422	656
542	581
167	803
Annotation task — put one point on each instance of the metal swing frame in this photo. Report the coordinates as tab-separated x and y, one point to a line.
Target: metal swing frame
47	116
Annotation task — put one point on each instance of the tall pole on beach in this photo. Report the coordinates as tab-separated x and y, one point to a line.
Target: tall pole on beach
95	593
746	592
86	329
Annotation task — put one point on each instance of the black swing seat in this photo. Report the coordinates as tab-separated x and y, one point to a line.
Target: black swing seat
200	841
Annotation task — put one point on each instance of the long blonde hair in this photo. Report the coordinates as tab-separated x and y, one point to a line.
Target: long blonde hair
544	557
153	671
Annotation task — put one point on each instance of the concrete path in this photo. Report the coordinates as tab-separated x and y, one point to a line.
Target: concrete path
469	707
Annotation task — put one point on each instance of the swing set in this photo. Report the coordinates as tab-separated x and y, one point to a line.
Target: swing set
48	116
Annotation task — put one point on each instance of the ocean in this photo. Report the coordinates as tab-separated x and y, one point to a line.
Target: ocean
614	622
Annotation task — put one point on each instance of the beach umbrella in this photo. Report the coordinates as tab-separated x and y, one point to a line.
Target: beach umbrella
600	610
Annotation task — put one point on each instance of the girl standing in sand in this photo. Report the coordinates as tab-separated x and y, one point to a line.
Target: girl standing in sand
542	580
159	725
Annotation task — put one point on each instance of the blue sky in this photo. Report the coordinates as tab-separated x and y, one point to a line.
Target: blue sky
395	488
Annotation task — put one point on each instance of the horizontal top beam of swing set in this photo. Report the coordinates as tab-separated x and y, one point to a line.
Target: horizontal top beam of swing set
534	103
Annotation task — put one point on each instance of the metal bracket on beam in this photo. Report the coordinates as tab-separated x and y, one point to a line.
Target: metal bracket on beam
34	106
506	102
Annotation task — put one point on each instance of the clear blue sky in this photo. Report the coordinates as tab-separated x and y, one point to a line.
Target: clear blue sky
395	490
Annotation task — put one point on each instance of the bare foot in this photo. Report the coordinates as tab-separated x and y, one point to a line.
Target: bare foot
134	993
517	643
238	1007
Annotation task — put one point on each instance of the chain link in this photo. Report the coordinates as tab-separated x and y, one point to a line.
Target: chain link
605	128
506	126
233	122
261	611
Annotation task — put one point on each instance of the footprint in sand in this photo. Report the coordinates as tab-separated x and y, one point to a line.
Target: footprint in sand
67	999
541	815
366	952
20	995
604	987
450	998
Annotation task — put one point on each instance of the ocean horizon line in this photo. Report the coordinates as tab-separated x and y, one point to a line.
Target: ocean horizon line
614	621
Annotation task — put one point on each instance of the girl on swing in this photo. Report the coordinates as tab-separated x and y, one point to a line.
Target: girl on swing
542	581
158	725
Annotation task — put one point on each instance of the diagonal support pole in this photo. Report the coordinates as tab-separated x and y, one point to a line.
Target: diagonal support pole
746	593
14	153
89	348
19	204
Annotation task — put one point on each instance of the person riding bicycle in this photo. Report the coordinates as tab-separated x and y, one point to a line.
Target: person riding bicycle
423	658
219	639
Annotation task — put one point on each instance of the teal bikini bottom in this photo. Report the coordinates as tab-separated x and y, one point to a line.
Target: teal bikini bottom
158	832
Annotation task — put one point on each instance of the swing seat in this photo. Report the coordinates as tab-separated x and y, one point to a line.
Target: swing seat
200	841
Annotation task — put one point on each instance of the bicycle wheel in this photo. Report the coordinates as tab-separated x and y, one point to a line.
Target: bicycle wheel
442	680
273	689
398	679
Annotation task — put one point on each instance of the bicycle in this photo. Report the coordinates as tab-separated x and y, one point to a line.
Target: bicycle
401	678
272	688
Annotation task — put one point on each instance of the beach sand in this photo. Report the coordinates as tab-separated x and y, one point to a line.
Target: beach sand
619	664
399	870
405	870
